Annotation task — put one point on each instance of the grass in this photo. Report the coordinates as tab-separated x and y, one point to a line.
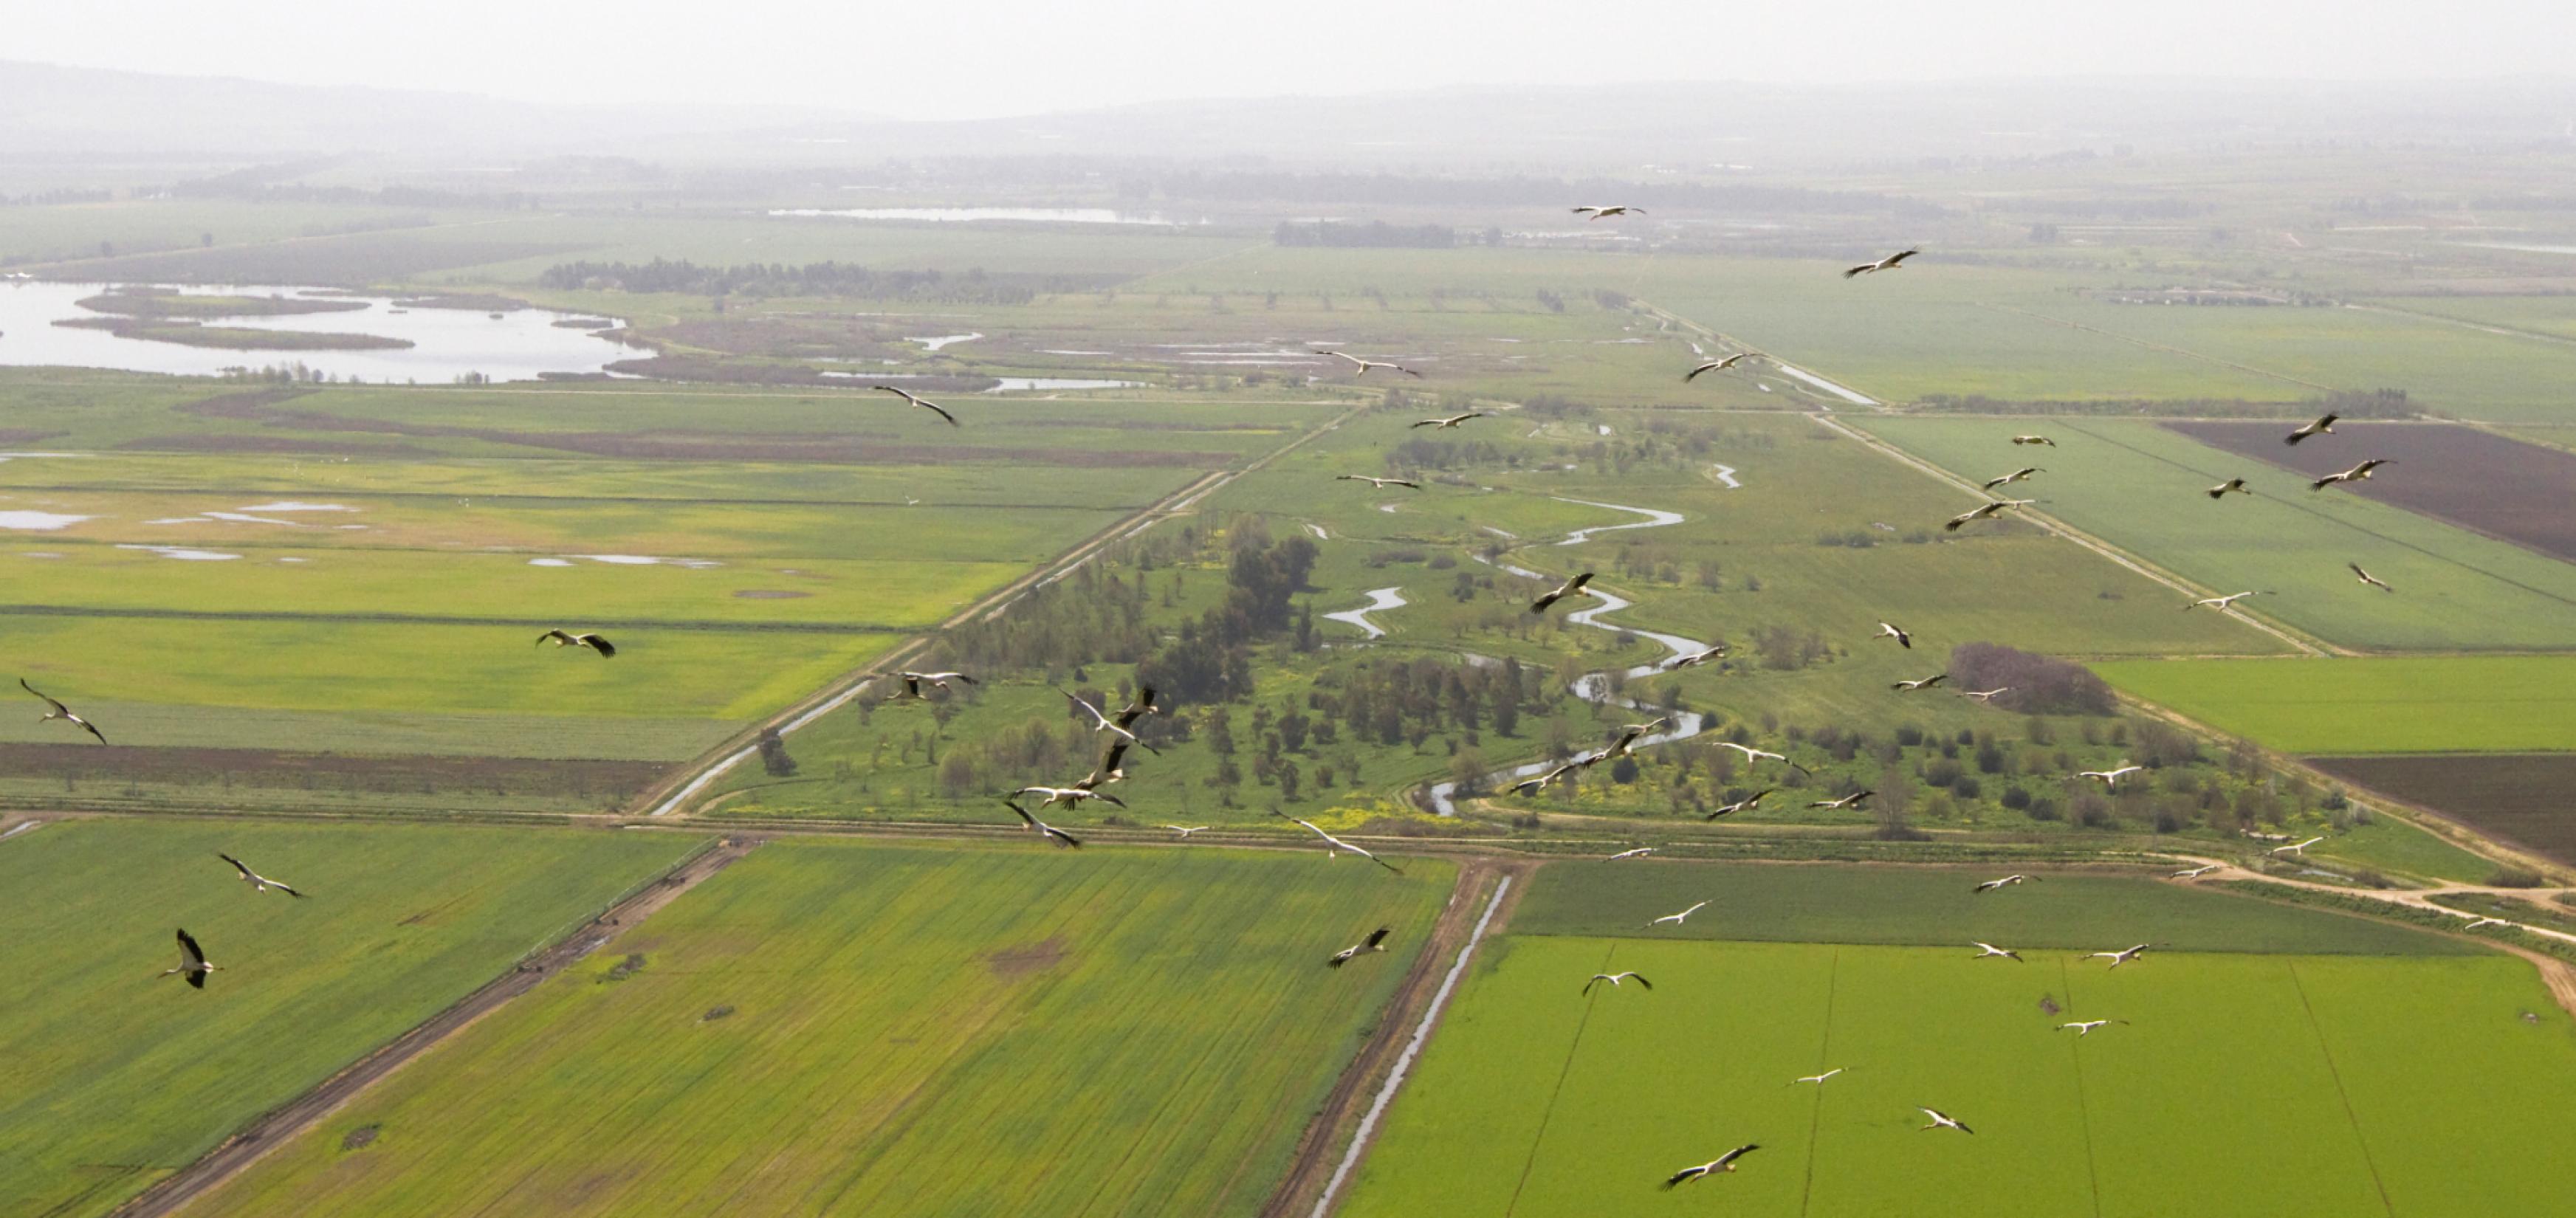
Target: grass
2389	845
2266	1085
1928	906
892	1012
2139	487
2392	704
118	1078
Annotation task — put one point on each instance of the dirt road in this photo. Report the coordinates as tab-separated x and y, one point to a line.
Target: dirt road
293	1117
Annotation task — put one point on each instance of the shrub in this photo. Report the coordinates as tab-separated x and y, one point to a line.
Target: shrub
2516	877
2015	798
1967	788
2034	684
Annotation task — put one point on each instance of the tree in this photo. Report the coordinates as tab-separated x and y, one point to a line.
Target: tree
773	755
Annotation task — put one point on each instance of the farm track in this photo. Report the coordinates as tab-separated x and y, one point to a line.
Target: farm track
1312	1168
283	1123
673	792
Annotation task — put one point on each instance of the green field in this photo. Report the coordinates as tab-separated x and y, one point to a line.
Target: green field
2266	1086
118	1078
2138	486
1111	1032
1934	906
2392	704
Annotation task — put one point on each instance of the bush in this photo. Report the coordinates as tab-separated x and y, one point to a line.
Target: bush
1941	774
2015	798
1909	735
1967	788
2034	684
2516	877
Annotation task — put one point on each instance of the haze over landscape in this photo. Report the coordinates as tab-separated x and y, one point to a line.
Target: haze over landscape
667	609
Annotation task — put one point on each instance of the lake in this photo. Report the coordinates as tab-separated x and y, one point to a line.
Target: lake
447	343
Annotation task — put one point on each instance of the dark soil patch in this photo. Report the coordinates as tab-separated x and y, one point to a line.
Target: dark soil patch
770	594
25	435
2523	493
360	1138
715	1013
2521	798
267	444
281	770
1027	958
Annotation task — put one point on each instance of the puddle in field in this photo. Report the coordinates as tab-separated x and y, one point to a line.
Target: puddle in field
246	518
182	553
1013	383
1380	600
549	562
292	505
640	560
39	522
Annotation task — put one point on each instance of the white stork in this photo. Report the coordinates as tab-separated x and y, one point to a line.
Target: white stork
1605	211
1985	949
257	882
2013	477
2084	1027
1614	979
913	681
1888	263
2109	778
1638	853
1678	918
2355	474
1849	801
566	638
1719	365
1907	687
1379	483
2367	578
1049	831
2007	881
2220	603
1942	1120
917	400
1560	592
1694	658
1452	421
1365	364
2232	485
1332	843
2324	426
1722	1163
1890	632
1740	805
192	961
2117	958
1376	942
62	712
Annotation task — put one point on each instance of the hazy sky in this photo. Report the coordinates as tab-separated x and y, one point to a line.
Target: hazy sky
1002	57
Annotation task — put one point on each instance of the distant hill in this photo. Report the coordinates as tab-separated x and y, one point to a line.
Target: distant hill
52	110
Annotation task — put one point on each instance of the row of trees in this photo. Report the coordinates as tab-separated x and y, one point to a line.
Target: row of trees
1377	234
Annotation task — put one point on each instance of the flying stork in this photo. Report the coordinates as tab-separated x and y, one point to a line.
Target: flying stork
2034	440
1186	830
1103	723
565	638
1942	1120
2221	490
62	712
1049	831
1452	421
1530	785
1719	365
1741	804
2117	958
1985	949
1849	801
1991	885
2084	1027
1678	918
1990	508
2194	873
1365	364
913	681
2013	477
2220	603
1907	687
1376	942
1722	1163
1379	483
2109	778
192	961
1888	263
1985	695
1562	591
915	399
1592	212
257	882
1752	755
2355	474
1690	659
1817	1079
2367	578
2299	848
1066	797
1902	639
1332	843
1638	853
1614	979
2324	426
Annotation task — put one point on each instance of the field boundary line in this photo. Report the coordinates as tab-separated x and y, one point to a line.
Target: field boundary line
2350	1117
2484	327
2184	352
1548	1116
684	783
2051	524
282	1124
1816	1115
1364	1136
1807	384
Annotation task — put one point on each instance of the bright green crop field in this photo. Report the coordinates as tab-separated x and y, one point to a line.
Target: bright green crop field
2259	1085
2387	704
2141	487
118	1078
841	1027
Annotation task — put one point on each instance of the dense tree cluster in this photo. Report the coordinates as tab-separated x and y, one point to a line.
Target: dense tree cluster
2034	684
1210	659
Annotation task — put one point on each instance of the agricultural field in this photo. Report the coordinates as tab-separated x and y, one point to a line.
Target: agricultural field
378	598
118	1078
2142	487
835	1026
2387	704
2473	478
2317	1084
2520	798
